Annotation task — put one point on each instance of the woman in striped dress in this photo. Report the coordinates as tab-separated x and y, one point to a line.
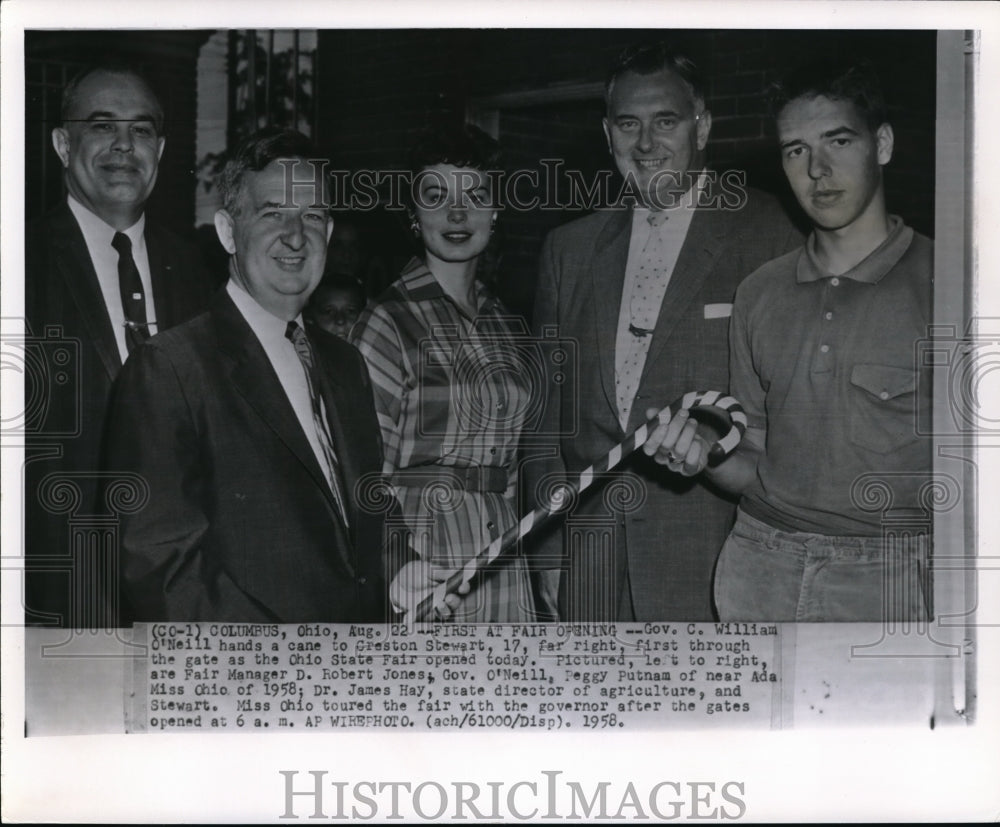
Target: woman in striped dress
450	391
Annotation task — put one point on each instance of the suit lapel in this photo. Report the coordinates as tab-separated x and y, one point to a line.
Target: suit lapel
701	248
160	267
255	380
72	261
607	273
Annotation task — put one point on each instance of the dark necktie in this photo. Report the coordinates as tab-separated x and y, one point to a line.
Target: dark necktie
133	299
297	336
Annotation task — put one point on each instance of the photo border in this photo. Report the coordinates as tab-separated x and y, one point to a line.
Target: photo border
844	773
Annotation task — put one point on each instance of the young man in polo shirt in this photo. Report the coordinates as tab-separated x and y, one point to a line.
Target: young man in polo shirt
822	345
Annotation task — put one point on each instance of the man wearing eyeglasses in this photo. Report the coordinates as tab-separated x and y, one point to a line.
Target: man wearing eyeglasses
107	279
646	290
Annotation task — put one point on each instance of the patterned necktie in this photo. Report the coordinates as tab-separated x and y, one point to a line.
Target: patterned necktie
643	312
297	336
133	300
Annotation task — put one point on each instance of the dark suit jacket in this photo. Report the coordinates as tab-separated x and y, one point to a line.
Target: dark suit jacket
666	542
66	314
240	523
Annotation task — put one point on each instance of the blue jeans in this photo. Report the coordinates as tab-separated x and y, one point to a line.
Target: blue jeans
779	576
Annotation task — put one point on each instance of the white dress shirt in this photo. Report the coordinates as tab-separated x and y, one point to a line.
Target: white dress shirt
104	257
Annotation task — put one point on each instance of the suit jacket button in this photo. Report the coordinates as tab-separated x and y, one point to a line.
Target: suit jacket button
362	581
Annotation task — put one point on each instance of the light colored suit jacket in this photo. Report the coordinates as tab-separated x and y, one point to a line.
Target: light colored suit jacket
661	533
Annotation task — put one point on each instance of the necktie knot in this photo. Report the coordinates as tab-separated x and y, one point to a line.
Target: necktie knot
657	218
122	243
297	336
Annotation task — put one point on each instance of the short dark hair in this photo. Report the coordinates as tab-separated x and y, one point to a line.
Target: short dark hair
459	145
253	154
649	58
838	79
338	281
72	88
462	145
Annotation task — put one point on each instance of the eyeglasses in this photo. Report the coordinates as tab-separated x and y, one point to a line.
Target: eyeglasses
140	127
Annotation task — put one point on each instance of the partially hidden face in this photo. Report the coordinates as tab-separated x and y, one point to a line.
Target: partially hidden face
832	159
278	235
454	211
336	309
657	133
109	143
344	255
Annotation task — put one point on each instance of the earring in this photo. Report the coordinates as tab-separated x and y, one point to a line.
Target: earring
415	228
493	225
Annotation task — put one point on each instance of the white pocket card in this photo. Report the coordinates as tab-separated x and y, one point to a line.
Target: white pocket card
718	311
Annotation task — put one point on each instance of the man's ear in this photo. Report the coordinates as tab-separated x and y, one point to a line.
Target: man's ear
60	140
607	134
160	143
224	230
704	128
329	228
884	142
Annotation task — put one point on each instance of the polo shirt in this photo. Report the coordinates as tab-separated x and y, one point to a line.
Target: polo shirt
827	365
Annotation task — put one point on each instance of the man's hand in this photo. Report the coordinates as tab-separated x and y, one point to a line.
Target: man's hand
681	443
417	580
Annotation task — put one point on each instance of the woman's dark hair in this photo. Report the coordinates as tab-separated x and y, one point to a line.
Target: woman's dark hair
463	145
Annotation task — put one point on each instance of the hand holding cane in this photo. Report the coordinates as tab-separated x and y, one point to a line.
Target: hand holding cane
712	406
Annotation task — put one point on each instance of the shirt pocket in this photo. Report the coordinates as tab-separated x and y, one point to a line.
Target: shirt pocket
881	410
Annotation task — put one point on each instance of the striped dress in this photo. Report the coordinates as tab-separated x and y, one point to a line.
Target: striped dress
450	391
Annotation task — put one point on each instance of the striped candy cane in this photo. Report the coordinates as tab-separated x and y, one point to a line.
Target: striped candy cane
692	401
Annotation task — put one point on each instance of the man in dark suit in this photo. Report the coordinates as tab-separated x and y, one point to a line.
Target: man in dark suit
646	294
251	436
102	278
